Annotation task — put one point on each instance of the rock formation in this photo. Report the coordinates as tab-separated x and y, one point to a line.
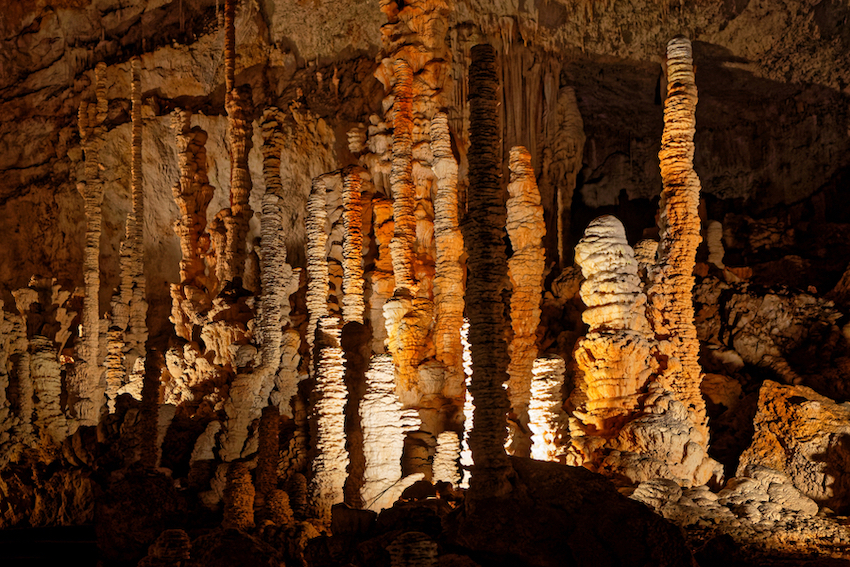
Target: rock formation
90	386
670	306
547	420
487	280
352	248
526	230
567	156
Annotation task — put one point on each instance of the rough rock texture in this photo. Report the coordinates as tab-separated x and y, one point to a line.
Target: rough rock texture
805	436
327	421
352	247
317	262
547	420
385	425
670	308
526	230
487	279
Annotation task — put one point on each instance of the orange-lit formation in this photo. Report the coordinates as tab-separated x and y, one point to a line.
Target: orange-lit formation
350	299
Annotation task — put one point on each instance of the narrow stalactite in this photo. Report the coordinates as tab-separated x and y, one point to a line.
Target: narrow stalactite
384	424
449	277
567	155
526	230
671	309
239	130
91	118
487	280
329	460
548	422
352	246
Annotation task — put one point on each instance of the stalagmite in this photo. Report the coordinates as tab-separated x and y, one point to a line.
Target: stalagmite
614	356
352	247
526	230
671	309
468	407
47	387
128	332
317	259
547	420
193	194
714	240
239	131
384	425
327	421
401	181
487	280
238	498
446	458
91	118
567	155
448	280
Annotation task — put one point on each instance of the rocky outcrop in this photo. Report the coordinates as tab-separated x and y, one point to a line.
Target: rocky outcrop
806	436
90	386
670	308
526	230
487	263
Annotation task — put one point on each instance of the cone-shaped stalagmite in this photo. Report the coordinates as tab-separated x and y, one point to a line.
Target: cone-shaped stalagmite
487	280
92	132
671	309
526	229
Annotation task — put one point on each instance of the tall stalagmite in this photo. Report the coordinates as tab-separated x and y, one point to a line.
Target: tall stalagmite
487	280
449	276
352	247
670	308
239	131
547	421
90	384
526	230
401	181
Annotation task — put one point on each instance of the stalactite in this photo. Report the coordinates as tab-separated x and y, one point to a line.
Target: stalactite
239	130
547	420
238	498
327	421
487	280
352	247
317	259
401	181
671	309
448	280
384	425
91	118
567	154
526	230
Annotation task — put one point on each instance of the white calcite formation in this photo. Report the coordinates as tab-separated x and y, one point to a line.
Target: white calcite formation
384	423
327	421
547	420
447	458
526	230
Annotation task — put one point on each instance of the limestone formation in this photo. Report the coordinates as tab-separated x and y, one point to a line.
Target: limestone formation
128	332
449	276
670	307
47	388
526	230
547	420
803	435
567	155
714	240
317	262
446	458
352	248
327	421
384	424
238	498
487	264
239	129
91	118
